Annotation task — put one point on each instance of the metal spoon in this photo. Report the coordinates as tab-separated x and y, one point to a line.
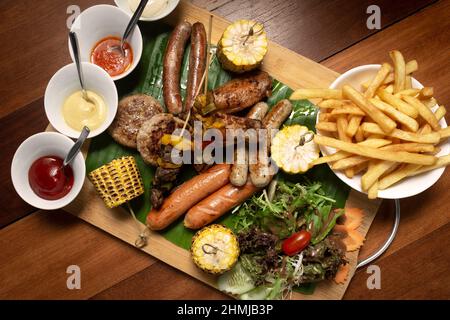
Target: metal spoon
134	20
76	147
76	53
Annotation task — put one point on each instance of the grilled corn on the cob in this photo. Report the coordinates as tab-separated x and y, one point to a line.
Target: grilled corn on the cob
118	181
293	149
243	46
215	249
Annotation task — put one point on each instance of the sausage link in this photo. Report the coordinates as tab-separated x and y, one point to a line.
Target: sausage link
197	64
217	204
239	171
187	195
173	59
261	172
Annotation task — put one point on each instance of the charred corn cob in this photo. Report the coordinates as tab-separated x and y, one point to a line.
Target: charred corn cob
243	46
215	249
293	149
118	181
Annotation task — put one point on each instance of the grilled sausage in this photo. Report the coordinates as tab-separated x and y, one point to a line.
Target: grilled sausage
197	64
242	92
239	171
278	115
173	59
217	204
260	172
188	194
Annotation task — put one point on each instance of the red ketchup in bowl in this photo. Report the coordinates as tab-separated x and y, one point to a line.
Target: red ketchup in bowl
48	179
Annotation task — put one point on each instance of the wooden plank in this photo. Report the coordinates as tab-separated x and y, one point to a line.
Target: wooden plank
315	29
89	207
37	250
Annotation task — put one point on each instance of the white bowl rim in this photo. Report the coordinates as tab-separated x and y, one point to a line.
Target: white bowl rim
383	194
106	123
50	204
137	54
155	18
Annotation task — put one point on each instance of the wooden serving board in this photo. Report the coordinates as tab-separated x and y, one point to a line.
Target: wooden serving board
286	66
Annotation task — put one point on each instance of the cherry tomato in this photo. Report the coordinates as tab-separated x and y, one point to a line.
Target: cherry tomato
296	243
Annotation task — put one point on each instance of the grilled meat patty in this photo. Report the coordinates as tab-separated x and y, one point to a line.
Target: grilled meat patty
150	134
132	112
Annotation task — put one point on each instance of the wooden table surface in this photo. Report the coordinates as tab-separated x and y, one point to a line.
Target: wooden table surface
36	247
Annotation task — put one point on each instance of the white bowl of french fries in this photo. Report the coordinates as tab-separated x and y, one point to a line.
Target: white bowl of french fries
381	131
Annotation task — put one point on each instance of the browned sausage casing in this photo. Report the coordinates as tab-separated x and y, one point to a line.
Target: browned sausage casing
197	64
173	59
217	204
242	92
187	195
261	172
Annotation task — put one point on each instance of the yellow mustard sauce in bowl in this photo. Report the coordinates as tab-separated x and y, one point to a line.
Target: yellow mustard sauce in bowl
77	112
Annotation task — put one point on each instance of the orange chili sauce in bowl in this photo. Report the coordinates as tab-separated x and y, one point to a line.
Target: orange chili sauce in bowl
109	59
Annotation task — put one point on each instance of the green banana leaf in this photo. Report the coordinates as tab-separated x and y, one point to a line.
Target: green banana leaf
147	78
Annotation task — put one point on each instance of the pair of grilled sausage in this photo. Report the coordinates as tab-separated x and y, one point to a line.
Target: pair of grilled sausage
173	59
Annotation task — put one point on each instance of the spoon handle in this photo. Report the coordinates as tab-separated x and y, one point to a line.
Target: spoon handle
76	147
76	53
134	19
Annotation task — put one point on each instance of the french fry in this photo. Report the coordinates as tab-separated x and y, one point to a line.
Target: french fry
426	93
430	103
409	122
353	125
399	70
441	162
300	94
378	80
376	136
407	92
425	129
373	143
410	147
388	89
360	168
349	173
356	149
342	125
359	136
354	110
327	126
433	137
398	175
349	162
398	103
331	103
440	113
424	111
379	117
375	171
326	117
408	82
411	66
444	133
373	191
